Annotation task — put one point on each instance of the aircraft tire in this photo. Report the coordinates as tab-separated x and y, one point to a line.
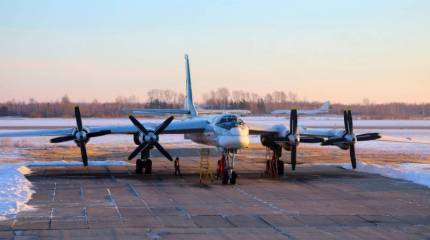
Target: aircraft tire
139	166
148	166
233	178
280	168
225	178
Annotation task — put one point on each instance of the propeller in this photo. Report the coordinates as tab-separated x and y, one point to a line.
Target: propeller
349	138
80	135
150	137
293	138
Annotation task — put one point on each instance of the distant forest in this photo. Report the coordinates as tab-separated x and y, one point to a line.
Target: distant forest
221	98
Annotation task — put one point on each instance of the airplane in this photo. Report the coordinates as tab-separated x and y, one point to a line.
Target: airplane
227	132
325	107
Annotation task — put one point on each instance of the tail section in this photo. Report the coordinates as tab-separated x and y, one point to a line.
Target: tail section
189	104
325	107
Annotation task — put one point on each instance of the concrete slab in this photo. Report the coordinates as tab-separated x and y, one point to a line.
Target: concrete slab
312	203
211	221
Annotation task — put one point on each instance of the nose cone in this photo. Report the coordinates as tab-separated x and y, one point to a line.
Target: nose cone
236	138
239	131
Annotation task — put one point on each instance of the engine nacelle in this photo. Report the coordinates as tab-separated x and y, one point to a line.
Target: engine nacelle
266	140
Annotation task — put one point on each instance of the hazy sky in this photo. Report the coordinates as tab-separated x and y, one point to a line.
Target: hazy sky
336	50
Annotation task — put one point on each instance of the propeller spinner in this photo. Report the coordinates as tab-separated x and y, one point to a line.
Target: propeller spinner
80	135
150	137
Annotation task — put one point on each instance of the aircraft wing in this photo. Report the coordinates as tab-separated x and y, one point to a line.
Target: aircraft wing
176	127
33	133
310	134
282	130
386	138
261	129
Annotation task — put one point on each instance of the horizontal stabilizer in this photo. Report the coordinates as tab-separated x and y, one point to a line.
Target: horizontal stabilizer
160	111
221	111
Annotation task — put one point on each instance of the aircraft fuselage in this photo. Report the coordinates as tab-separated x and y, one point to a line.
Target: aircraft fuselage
224	131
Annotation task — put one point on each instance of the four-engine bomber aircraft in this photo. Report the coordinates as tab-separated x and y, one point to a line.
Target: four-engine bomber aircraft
227	131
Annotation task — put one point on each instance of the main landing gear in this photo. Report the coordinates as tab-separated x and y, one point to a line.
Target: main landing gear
274	166
144	163
227	167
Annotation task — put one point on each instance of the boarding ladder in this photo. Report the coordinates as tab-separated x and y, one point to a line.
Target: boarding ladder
205	166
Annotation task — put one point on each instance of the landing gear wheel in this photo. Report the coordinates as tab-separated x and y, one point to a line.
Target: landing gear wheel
139	166
225	178
233	178
148	166
280	168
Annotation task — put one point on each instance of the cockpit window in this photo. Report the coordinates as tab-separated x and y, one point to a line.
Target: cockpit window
229	121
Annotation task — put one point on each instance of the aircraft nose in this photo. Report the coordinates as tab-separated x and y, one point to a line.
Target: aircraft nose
239	131
238	138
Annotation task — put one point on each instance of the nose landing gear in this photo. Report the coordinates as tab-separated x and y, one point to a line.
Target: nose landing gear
227	167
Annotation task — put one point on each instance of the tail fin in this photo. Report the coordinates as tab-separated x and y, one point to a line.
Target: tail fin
325	107
189	104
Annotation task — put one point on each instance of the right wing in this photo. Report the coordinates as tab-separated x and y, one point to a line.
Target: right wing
176	127
34	133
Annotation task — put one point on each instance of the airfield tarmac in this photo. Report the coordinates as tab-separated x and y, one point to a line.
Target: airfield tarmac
315	202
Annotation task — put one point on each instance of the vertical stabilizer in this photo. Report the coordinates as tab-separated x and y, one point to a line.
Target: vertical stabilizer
189	104
325	107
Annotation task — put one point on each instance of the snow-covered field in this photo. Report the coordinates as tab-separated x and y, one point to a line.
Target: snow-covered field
329	122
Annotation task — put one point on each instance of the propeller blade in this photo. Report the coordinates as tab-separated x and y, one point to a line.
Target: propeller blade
294	117
62	139
353	157
345	121
332	141
98	134
351	126
293	157
78	118
139	149
163	151
293	121
311	139
163	125
138	124
368	136
84	153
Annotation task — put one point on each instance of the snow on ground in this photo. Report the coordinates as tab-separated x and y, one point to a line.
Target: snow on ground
16	190
415	172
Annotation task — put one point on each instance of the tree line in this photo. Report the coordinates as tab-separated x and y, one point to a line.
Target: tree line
221	98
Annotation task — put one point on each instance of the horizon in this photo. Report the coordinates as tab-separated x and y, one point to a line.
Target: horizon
339	51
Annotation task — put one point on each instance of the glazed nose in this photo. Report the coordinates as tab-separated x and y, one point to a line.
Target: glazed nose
239	131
